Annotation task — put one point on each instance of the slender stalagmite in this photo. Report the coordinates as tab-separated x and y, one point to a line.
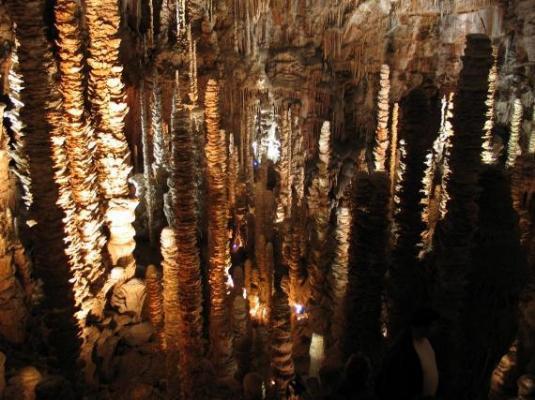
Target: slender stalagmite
159	168
219	255
393	153
281	342
79	135
513	147
155	303
381	133
319	209
184	199
107	97
19	153
487	155
54	257
147	170
456	231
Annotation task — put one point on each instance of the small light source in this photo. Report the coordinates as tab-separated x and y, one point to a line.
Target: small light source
299	308
244	293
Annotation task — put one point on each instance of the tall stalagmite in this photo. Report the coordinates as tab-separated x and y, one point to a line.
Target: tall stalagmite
52	262
319	209
184	199
81	168
455	233
383	106
218	246
107	97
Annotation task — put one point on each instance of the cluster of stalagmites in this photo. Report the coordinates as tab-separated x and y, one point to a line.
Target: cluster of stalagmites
316	263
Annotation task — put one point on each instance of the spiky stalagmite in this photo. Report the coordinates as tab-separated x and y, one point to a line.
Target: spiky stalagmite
367	264
40	115
107	97
79	135
513	147
281	342
159	171
531	144
340	268
172	322
455	233
319	208
232	175
381	133
147	170
436	162
19	153
294	259
155	303
13	315
419	120
284	198
184	200
393	152
219	255
487	155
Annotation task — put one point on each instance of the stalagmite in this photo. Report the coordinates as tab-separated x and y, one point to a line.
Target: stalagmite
160	158
55	248
531	144
487	155
147	170
393	151
19	153
319	208
107	97
79	135
184	199
155	303
172	321
339	272
219	256
284	166
381	133
513	147
281	342
165	18
13	313
456	231
121	244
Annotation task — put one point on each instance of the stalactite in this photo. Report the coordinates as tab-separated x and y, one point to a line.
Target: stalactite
319	209
184	200
281	342
455	233
171	306
513	146
19	143
219	257
487	155
150	30
107	97
232	175
81	168
381	133
193	90
165	18
155	303
55	257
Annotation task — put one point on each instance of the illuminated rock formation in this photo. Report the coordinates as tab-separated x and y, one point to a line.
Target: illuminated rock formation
281	342
184	199
107	97
13	313
54	248
19	153
78	135
383	107
319	209
488	156
219	255
155	303
513	146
